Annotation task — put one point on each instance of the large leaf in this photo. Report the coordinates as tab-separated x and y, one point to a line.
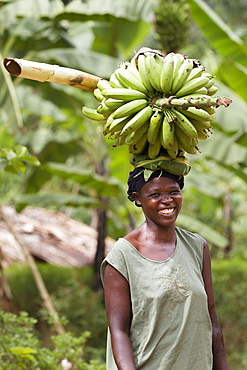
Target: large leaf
102	185
205	182
58	199
134	10
84	60
235	76
56	151
194	225
119	36
30	9
233	118
224	150
224	40
30	100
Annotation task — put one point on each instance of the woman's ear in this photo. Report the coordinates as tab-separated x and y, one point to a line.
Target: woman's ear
136	198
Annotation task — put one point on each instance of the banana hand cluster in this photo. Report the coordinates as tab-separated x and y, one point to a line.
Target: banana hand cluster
160	106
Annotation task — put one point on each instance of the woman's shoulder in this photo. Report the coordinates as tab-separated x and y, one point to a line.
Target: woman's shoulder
186	234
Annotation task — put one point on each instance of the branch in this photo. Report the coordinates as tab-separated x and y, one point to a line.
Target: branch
43	72
199	102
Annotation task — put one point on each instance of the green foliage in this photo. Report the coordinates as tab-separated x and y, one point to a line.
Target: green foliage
14	160
76	303
20	348
230	286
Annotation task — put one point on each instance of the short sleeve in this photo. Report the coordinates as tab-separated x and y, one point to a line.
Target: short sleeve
116	258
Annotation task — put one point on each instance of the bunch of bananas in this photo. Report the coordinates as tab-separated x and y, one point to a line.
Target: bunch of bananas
160	106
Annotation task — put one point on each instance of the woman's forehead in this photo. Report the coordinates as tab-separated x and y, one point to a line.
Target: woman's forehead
161	183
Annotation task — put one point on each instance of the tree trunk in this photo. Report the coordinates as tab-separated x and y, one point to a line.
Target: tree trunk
228	222
101	230
100	252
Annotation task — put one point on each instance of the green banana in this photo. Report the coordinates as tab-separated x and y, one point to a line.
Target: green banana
167	132
138	120
210	110
178	61
209	84
129	80
130	107
166	75
103	84
123	94
135	136
93	114
202	134
173	151
103	109
154	66
192	86
114	81
154	149
118	124
202	90
190	149
184	123
97	94
212	90
182	137
196	113
143	73
114	103
140	146
195	72
181	76
155	123
201	125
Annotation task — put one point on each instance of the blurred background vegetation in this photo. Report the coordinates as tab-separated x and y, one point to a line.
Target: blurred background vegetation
47	147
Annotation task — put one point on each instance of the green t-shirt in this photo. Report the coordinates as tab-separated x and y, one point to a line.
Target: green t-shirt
170	327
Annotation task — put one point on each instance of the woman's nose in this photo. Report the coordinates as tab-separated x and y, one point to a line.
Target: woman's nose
166	198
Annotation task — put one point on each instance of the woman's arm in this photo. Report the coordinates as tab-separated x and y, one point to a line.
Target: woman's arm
118	312
219	356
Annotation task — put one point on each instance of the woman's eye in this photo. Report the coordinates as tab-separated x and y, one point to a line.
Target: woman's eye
175	192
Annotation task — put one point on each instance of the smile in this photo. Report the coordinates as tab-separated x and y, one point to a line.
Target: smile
167	211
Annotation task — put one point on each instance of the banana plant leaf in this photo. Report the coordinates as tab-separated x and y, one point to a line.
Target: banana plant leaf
234	75
217	32
99	10
233	118
83	60
224	150
196	226
58	199
56	151
103	187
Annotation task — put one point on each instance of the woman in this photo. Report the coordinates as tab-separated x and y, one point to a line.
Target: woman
158	288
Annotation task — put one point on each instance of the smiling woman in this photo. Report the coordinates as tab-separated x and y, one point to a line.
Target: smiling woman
158	287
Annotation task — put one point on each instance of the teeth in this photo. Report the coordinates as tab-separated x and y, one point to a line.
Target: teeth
167	211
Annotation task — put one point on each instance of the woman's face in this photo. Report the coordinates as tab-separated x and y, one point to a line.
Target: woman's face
161	200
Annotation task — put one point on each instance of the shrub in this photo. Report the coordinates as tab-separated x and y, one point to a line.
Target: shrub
20	348
73	298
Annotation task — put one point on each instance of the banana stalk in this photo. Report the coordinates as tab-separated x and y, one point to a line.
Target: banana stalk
198	102
43	72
